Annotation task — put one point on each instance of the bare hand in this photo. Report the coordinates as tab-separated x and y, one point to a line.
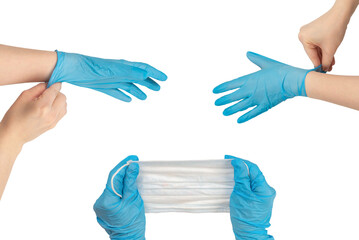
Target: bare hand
322	37
34	112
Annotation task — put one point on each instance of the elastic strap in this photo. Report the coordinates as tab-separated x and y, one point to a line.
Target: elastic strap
114	175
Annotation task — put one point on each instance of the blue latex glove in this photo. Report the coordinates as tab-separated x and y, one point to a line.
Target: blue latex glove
106	75
273	84
122	218
251	201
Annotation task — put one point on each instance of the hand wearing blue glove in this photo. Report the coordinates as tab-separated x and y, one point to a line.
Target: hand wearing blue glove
106	75
251	202
122	218
271	85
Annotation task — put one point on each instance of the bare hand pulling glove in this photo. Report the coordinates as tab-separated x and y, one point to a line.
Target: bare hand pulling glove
322	37
39	109
34	112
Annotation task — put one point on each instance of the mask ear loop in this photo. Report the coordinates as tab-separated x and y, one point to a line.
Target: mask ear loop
247	168
114	175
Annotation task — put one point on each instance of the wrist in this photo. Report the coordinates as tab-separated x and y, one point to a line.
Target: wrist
314	83
9	142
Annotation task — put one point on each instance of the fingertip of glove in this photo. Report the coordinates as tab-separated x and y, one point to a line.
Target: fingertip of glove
133	169
241	120
162	76
142	97
250	54
241	168
235	162
217	103
227	112
127	100
217	90
156	88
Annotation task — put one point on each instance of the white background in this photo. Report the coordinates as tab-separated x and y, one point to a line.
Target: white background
307	149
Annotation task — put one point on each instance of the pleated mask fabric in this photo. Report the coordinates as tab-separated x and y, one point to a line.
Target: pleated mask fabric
193	186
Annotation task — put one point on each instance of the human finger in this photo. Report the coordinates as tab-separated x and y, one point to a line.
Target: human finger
313	54
240	106
233	84
133	89
258	182
50	94
251	114
35	91
241	176
152	72
327	60
235	96
115	93
117	174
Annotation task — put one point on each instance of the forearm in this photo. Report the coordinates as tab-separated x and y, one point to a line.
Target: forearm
341	90
8	153
345	9
20	65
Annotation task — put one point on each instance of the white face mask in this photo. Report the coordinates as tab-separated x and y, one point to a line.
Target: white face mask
184	186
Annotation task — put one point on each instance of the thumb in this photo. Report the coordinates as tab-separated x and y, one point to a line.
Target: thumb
261	61
35	91
241	177
258	183
49	95
130	186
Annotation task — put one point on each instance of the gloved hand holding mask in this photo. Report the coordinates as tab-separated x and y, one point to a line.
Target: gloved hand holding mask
251	201
123	218
106	75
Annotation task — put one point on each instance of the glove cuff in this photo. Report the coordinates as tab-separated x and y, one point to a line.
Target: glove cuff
301	83
302	90
58	67
294	83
